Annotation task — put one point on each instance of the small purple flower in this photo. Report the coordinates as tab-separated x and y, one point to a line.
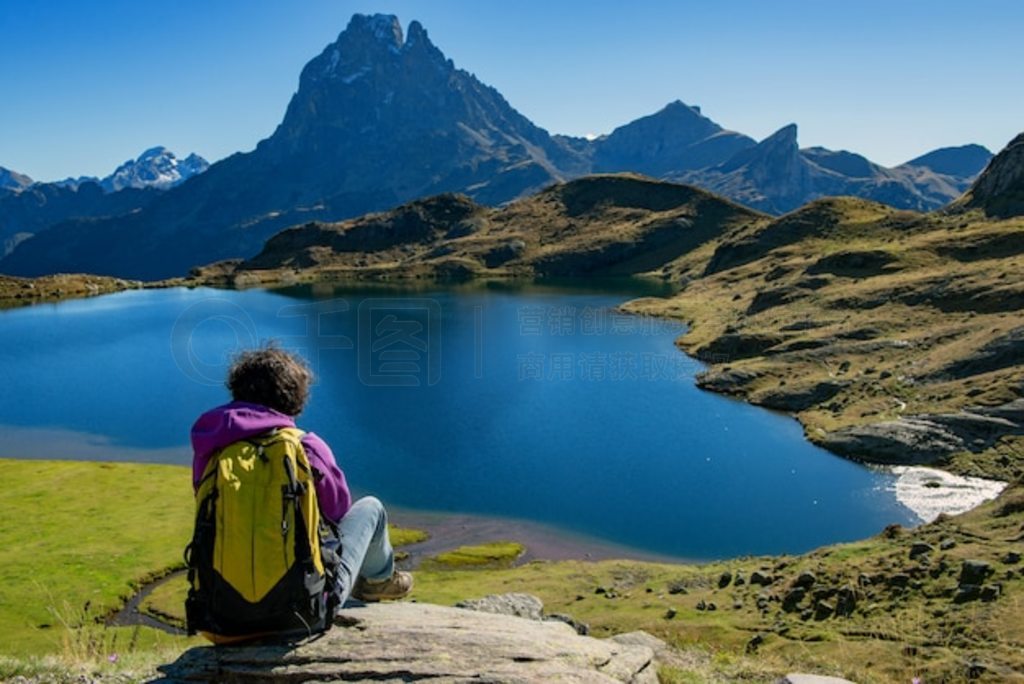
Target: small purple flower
113	658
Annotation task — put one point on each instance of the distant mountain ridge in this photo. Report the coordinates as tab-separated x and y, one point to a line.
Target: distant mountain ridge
381	118
12	180
157	168
28	208
777	176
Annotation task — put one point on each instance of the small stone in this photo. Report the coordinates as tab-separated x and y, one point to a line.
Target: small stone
805	580
792	599
712	606
760	578
947	543
670	613
920	549
899	580
1011	558
974	572
754	643
515	604
846	601
739	580
823	610
676	588
990	592
725	579
600	590
702	605
967	592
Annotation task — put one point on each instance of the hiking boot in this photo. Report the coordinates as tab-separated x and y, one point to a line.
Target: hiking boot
395	587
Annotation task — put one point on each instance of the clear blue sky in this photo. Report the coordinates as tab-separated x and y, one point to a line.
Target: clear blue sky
86	85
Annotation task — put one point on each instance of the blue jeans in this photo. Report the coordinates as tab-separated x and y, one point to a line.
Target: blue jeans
365	547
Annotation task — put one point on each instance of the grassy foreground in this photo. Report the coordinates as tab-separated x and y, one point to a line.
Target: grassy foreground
884	609
77	539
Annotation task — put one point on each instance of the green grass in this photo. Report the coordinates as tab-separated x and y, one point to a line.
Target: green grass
404	536
96	530
499	554
78	538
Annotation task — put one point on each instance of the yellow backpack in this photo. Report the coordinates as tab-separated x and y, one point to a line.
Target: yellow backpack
256	563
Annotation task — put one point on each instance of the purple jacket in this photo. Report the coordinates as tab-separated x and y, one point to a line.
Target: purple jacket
223	425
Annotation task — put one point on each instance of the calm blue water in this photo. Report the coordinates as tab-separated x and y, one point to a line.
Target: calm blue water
533	403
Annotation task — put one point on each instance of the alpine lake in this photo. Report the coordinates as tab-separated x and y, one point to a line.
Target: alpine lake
536	402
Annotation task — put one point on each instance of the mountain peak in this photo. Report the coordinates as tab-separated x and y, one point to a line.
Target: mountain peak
156	167
784	136
382	27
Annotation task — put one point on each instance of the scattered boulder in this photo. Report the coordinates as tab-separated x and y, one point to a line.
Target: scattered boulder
899	581
761	578
967	592
519	605
823	610
975	572
990	592
846	601
725	579
805	580
920	549
792	599
1011	558
947	543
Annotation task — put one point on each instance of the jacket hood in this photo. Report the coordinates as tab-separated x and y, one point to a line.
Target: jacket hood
226	424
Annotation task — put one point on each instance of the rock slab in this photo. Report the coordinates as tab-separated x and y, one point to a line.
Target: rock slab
404	642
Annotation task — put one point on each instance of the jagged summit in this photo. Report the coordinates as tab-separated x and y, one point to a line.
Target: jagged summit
999	189
157	167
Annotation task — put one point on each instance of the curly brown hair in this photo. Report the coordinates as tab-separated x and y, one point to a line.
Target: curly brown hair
271	377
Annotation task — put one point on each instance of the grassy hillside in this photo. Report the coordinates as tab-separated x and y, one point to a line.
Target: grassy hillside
599	225
893	336
941	602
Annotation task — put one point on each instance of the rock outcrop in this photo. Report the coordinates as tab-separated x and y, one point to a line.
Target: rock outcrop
928	438
1000	188
405	642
